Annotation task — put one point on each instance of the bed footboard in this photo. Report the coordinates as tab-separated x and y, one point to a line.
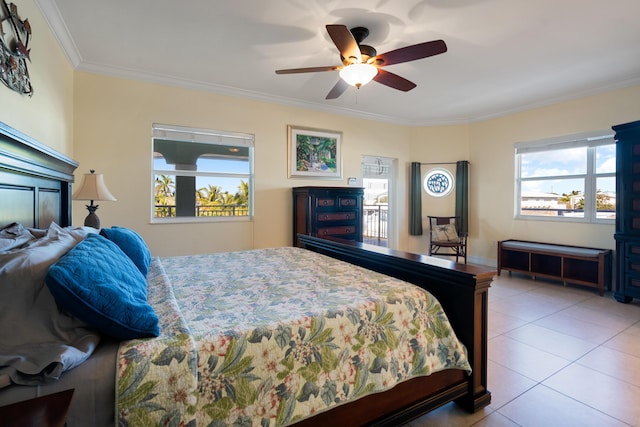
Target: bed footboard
461	289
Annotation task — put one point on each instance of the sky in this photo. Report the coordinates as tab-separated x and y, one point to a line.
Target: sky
230	185
563	163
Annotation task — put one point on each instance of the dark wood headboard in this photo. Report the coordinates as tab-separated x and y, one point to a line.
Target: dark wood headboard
35	181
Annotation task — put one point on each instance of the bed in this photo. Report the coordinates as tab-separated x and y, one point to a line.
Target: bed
364	360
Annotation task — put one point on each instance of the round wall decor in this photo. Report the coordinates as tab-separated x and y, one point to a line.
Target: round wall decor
438	182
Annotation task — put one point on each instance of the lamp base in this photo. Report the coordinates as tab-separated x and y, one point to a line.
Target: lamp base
92	219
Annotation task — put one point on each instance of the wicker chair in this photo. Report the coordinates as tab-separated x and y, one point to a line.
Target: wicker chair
445	237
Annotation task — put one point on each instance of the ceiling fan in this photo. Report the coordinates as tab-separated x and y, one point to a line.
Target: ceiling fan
361	63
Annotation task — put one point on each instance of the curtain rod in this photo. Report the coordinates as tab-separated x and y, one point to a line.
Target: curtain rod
440	163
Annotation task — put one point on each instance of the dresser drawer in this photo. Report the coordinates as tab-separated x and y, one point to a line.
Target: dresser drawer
326	202
632	265
632	282
632	249
337	231
336	216
346	202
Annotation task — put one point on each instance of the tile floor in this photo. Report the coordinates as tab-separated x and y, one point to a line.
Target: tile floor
558	356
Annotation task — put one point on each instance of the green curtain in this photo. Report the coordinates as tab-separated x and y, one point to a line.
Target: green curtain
415	200
462	194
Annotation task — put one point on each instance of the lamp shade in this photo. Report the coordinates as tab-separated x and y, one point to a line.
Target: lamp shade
358	74
93	188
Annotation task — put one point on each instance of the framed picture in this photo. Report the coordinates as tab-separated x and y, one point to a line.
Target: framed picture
314	153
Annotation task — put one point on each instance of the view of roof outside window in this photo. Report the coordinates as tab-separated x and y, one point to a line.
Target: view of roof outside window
562	183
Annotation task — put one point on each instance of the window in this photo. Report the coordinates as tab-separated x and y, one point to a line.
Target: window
567	179
201	175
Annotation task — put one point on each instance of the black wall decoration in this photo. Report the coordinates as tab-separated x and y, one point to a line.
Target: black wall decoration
14	51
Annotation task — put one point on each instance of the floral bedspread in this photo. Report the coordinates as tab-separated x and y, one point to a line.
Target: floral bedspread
270	336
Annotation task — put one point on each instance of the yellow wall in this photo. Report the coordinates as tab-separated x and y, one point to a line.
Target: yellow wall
492	172
47	116
113	122
436	144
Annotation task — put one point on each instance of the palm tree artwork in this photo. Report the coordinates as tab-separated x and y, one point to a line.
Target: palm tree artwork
315	153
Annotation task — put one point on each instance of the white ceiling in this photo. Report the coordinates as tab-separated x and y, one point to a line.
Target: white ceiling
503	55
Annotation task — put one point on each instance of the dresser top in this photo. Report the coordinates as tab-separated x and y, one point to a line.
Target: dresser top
326	188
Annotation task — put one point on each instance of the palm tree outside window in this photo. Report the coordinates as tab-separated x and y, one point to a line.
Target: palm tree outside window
201	175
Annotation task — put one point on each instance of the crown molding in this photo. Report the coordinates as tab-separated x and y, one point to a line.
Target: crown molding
53	18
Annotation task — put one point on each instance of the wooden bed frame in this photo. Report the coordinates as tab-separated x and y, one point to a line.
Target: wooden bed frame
463	291
35	189
35	181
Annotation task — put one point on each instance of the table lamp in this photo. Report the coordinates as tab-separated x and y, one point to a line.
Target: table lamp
93	188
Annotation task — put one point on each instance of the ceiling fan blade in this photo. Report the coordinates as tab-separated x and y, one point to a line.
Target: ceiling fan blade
308	70
338	89
411	53
393	80
344	41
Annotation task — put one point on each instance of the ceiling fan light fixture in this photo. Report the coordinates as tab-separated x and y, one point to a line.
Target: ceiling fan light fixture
358	74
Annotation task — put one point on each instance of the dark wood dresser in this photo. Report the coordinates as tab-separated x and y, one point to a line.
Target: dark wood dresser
328	212
627	233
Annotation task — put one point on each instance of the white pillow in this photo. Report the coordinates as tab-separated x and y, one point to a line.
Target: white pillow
445	233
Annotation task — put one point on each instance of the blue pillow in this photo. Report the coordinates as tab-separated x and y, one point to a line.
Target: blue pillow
131	244
97	283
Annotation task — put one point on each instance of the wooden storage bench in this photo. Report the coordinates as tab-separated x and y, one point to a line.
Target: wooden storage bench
574	264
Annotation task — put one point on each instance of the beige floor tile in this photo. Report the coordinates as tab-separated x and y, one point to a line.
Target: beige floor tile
566	293
607	394
524	307
495	419
608	304
505	286
612	321
505	384
559	344
449	415
625	342
499	323
578	328
614	363
543	406
634	329
524	359
553	302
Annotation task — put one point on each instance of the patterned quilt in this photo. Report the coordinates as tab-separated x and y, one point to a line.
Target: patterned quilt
270	336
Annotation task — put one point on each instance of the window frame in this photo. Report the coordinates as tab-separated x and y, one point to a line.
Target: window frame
210	137
591	141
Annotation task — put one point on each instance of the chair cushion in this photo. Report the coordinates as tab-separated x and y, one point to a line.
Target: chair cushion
445	233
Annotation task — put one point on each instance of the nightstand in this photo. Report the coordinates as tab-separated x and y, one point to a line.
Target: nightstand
45	411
